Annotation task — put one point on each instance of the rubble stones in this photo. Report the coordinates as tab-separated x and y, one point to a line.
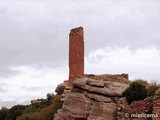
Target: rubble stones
150	105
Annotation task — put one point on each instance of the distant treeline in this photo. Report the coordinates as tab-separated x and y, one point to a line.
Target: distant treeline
40	109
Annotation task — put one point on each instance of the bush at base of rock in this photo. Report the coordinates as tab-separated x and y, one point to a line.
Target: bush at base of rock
136	91
150	87
140	89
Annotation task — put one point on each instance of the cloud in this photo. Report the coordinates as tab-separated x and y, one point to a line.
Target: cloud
35	32
140	63
31	83
2	89
6	72
9	104
120	36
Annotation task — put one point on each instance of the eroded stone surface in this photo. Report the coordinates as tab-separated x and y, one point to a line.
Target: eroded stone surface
107	88
90	99
60	88
156	104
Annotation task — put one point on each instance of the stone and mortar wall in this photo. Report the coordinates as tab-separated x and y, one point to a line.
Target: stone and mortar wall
122	78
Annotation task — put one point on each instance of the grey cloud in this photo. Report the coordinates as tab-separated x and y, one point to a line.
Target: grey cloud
3	90
3	87
37	32
10	104
36	88
8	72
3	11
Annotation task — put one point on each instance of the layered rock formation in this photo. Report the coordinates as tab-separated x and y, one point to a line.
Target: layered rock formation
91	99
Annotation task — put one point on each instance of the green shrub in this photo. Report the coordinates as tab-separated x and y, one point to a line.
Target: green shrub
50	96
46	113
15	111
151	88
3	114
136	91
57	104
141	81
31	116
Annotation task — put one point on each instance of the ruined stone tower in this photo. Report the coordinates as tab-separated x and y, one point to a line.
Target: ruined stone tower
76	54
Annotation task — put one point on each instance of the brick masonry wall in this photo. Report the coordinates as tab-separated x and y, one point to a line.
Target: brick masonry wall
76	54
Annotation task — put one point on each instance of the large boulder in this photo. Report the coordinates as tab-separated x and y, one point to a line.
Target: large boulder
60	88
91	99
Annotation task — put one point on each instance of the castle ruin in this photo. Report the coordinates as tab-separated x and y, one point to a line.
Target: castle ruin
76	54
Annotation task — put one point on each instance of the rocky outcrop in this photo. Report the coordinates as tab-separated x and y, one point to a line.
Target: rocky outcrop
136	108
156	104
147	109
91	99
60	88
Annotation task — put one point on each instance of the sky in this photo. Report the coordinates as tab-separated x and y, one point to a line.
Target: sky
121	36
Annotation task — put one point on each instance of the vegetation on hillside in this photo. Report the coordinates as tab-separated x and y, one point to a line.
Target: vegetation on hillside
140	89
46	108
43	110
